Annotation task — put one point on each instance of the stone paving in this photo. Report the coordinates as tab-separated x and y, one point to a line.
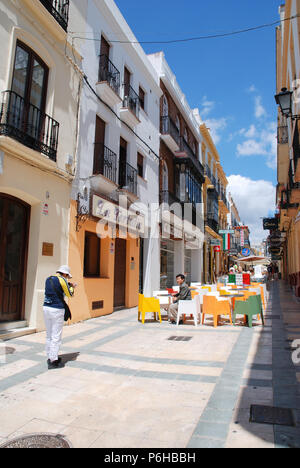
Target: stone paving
126	385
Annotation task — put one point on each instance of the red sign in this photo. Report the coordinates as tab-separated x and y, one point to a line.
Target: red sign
217	249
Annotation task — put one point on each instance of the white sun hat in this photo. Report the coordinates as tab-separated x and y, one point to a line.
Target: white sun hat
65	269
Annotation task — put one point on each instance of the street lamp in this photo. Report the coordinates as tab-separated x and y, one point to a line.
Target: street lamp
285	101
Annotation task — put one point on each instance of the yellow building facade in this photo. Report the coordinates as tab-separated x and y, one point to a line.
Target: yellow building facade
288	159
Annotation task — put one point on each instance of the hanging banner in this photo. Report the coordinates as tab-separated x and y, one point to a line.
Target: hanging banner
226	242
242	238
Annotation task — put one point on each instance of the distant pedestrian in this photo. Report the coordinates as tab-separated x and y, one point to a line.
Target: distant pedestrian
56	312
183	295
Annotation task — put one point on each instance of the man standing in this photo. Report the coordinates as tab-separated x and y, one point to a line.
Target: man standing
57	287
183	295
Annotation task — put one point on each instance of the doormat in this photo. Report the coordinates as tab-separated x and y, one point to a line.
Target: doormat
180	338
272	415
38	441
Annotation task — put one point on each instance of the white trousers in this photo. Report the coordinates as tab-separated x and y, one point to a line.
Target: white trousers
54	321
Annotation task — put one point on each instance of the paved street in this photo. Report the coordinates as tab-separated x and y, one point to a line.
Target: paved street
131	386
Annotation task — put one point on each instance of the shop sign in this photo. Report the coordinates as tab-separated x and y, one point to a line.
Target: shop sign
226	232
217	249
215	242
233	252
246	252
118	216
46	209
270	224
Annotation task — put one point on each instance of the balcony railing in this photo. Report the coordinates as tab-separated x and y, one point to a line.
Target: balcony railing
29	125
59	9
168	127
192	156
184	146
168	198
208	172
212	222
109	73
128	177
283	135
131	100
105	162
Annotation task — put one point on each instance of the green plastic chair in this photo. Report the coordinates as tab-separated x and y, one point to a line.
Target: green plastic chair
249	308
256	304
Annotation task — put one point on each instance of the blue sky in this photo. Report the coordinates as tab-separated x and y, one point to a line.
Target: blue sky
230	80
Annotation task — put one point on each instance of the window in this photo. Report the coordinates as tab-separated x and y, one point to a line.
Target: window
30	77
185	136
91	255
142	96
178	123
140	165
165	180
165	109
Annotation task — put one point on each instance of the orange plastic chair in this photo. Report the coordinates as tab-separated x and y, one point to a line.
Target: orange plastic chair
211	306
148	305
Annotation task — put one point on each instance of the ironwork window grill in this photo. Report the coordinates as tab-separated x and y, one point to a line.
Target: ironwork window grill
59	9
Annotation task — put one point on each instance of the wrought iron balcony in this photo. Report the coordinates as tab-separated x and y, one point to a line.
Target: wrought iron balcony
208	172
59	9
168	127
128	177
187	155
109	73
131	100
168	198
212	222
29	125
105	162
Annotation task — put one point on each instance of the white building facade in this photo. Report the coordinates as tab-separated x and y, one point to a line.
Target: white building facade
118	159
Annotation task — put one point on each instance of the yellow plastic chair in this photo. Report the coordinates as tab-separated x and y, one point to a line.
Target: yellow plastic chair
148	305
208	288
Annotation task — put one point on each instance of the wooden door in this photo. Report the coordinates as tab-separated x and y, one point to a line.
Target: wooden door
105	47
120	273
14	231
99	146
127	82
122	163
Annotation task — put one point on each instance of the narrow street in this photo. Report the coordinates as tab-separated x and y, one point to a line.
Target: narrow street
130	386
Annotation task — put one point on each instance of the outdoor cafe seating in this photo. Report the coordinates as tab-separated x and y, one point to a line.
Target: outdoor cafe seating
228	299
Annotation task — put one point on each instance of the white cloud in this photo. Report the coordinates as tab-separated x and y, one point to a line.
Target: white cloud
252	132
254	200
216	126
260	111
260	141
208	106
251	89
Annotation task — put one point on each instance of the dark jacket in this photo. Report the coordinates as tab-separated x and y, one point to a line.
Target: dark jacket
55	293
184	293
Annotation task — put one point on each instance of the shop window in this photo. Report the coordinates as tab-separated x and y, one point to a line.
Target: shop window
92	255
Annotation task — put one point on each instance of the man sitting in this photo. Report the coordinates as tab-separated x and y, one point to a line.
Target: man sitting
183	295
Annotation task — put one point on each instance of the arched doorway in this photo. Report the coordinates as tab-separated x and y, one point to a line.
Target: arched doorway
14	232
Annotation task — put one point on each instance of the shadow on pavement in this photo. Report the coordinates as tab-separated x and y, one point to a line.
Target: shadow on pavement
272	379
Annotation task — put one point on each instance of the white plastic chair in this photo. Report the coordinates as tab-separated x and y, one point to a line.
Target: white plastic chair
189	308
215	294
163	297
